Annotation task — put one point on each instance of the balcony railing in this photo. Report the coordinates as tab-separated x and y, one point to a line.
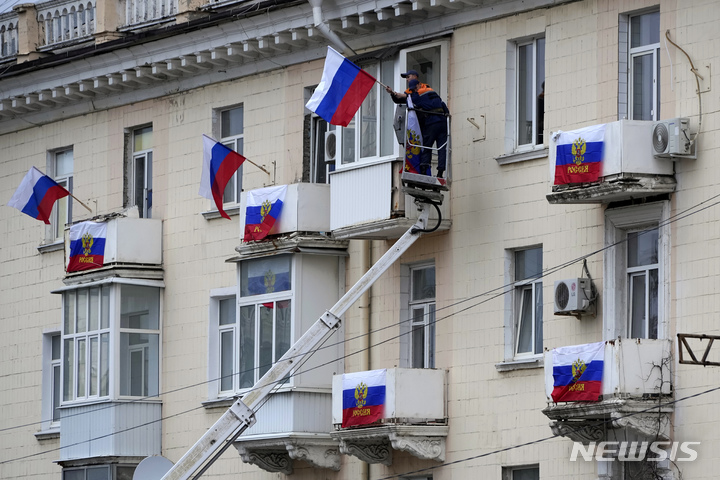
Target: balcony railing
67	21
148	11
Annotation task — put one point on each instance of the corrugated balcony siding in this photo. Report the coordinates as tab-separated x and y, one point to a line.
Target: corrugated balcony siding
306	412
360	195
110	429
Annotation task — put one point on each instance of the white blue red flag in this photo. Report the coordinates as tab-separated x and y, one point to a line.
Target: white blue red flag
577	372
341	90
87	246
579	155
219	165
363	397
264	206
37	194
414	140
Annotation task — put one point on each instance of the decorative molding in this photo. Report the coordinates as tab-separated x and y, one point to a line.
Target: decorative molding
277	454
375	444
607	191
524	156
269	460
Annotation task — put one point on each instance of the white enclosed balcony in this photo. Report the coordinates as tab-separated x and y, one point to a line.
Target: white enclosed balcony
414	418
368	203
629	168
636	377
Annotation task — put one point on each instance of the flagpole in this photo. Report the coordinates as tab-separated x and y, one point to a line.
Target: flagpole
81	203
258	166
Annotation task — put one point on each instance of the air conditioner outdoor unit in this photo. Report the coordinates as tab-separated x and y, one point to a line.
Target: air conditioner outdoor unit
573	296
671	137
332	145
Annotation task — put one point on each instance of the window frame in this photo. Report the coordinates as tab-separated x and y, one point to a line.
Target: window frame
131	170
112	469
508	473
56	231
390	69
535	135
535	285
626	69
619	222
427	322
231	142
51	367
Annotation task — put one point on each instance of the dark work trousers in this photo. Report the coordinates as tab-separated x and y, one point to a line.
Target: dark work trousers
434	130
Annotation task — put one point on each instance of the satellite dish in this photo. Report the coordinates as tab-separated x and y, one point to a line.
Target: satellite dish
152	468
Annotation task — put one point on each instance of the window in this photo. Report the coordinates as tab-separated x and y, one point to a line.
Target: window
89	326
51	395
323	149
639	66
61	169
530	92
231	135
100	472
422	317
370	135
521	473
635	298
528	302
138	172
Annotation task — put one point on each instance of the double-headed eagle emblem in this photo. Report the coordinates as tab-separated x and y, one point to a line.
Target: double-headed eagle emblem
361	394
578	368
87	243
578	150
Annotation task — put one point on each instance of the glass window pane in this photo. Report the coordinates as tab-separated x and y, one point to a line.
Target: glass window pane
653	304
69	313
645	29
94	364
347	154
540	87
266	275
142	139
56	394
525	94
139	182
62	213
525	341
528	263
538	318
643	79
68	370
226	361
105	309
124	473
426	62
94	318
104	364
98	473
526	474
387	109
231	122
227	311
418	346
266	338
369	121
423	283
56	347
81	368
73	474
642	248
139	364
637	306
82	306
64	163
246	344
430	329
139	307
229	193
282	328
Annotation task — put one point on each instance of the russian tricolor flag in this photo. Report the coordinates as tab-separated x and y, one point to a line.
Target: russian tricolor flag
37	194
341	90
87	246
363	397
579	155
219	165
264	206
577	372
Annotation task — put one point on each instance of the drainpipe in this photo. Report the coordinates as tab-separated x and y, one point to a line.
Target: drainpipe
324	28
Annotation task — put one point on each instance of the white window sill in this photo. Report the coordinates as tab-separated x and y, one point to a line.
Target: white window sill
523	156
48	434
225	402
523	364
52	247
211	214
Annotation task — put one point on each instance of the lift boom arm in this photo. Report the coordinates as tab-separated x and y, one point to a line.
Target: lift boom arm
241	415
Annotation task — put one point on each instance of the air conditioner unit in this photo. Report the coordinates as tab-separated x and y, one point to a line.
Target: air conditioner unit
671	137
573	296
332	145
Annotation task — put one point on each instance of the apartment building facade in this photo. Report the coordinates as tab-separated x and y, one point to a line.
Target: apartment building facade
102	368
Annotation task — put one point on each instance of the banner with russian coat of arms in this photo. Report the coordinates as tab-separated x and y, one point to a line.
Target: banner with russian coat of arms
87	246
577	372
363	397
579	155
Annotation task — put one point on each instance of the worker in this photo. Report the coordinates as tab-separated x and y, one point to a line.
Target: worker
432	115
401	97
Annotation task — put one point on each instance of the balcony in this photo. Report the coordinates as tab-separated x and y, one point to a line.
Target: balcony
368	203
636	382
132	245
629	168
415	418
